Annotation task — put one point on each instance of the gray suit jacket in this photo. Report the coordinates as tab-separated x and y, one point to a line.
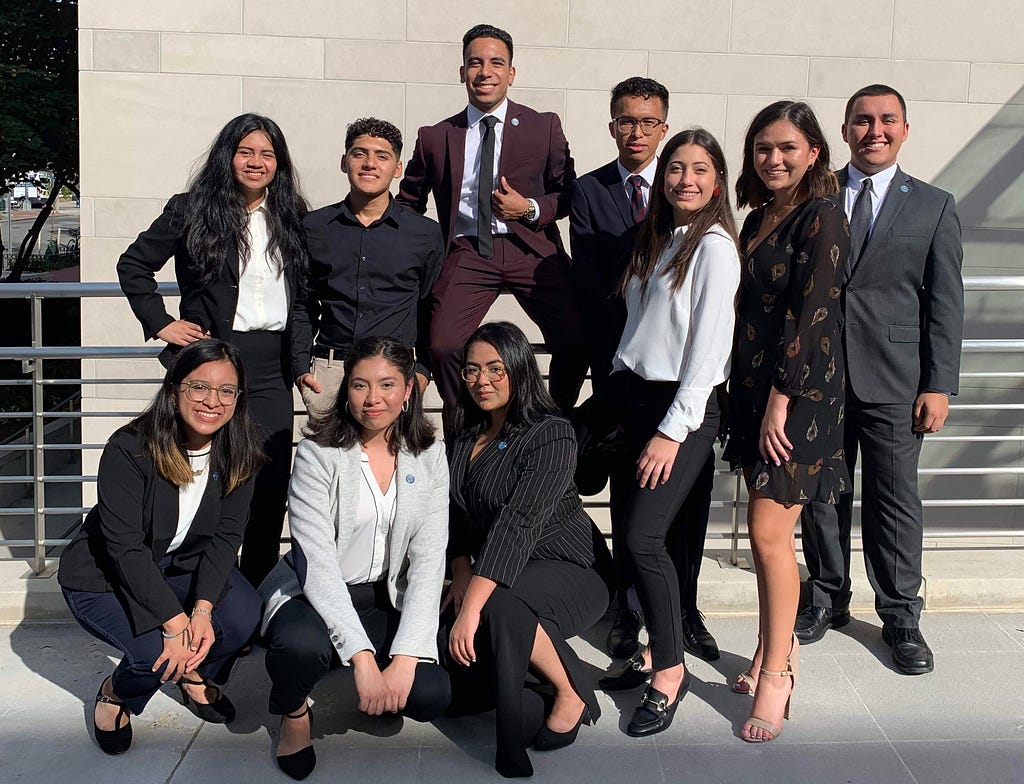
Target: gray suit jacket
322	500
904	298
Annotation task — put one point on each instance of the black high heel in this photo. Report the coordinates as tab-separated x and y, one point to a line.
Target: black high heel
119	739
549	740
654	714
301	763
220	711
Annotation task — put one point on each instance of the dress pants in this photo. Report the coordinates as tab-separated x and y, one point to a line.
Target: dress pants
300	653
270	401
468	286
134	682
657	520
891	517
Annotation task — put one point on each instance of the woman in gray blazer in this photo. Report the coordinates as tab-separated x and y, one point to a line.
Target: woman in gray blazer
368	513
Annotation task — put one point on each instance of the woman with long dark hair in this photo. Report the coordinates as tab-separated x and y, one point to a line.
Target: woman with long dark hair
368	515
529	567
239	259
787	382
152	569
680	290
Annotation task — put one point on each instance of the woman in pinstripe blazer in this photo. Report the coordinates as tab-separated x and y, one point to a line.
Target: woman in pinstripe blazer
529	567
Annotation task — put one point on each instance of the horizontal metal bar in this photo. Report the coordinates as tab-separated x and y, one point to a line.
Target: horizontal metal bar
74	290
79	352
29	447
991	346
994	283
14	511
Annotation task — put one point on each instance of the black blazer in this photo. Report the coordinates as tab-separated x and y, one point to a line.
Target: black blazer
211	306
126	535
516	502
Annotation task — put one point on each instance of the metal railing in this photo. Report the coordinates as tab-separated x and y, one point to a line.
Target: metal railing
34	356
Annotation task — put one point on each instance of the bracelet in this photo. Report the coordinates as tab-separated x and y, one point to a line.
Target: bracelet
201	611
167	636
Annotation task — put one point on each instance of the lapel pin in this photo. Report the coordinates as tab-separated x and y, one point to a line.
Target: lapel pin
515	121
502	445
410	478
904	188
216	477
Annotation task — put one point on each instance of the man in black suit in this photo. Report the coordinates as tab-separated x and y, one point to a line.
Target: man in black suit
903	304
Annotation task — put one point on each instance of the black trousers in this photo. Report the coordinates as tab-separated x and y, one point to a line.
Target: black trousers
133	681
270	400
891	517
300	653
658	521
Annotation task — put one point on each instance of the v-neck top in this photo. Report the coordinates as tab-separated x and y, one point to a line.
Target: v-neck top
366	556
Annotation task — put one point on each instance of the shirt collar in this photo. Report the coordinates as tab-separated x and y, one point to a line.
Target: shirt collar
474	115
392	214
879	182
647	172
261	207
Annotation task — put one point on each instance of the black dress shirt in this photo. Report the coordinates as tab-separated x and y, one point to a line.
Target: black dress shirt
368	280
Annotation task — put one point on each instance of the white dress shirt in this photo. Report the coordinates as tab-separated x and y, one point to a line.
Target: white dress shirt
365	559
879	189
684	336
262	291
648	175
190	496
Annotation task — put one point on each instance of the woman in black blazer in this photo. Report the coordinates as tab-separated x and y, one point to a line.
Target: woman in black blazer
529	567
240	261
152	569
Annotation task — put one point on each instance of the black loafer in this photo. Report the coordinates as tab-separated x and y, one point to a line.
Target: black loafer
119	739
813	621
631	676
220	711
624	636
654	714
696	637
910	653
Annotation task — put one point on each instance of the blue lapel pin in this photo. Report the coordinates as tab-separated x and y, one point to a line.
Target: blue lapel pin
410	478
502	445
216	477
904	189
515	121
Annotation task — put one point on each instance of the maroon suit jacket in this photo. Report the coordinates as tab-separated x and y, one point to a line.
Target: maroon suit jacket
535	160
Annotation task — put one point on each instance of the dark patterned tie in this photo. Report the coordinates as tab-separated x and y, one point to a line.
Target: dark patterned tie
636	198
860	224
485	187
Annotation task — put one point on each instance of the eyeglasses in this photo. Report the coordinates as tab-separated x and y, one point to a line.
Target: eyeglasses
199	391
648	125
492	373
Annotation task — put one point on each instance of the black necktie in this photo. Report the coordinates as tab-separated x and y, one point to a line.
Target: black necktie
860	224
636	198
485	186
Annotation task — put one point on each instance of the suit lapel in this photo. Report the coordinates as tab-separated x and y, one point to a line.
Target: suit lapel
459	461
509	141
408	502
165	511
899	191
617	192
455	142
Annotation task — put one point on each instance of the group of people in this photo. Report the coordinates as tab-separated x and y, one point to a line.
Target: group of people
449	576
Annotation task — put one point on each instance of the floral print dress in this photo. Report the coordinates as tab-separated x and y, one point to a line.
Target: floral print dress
788	335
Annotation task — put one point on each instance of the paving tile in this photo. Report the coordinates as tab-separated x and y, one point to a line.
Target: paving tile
1012	625
952	762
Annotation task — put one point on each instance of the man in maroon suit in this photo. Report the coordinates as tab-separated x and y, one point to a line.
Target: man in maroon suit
501	175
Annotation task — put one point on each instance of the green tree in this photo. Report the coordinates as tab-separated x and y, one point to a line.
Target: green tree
38	101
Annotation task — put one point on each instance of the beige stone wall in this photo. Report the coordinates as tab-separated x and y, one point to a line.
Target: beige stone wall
158	80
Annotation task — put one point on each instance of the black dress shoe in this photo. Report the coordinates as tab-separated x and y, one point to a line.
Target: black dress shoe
549	740
220	711
654	714
696	637
624	636
632	675
813	621
119	739
910	653
301	763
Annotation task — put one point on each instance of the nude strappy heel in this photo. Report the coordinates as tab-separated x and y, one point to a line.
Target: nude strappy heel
789	672
746	681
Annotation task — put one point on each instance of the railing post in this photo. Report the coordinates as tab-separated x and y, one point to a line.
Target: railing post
38	405
734	547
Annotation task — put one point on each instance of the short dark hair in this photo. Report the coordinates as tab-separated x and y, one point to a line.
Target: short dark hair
487	31
371	126
874	90
412	431
530	400
639	87
819	181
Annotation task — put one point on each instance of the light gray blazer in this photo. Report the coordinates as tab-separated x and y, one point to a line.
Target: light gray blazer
322	500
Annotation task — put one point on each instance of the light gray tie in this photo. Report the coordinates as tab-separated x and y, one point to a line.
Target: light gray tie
860	224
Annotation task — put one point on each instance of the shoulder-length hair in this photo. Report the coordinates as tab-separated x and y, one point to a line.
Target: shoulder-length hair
529	399
235	452
412	431
215	212
656	231
818	182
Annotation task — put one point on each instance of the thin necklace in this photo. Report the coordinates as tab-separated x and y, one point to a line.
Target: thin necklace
199	471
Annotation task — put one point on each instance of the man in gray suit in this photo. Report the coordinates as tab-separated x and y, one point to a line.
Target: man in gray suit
903	303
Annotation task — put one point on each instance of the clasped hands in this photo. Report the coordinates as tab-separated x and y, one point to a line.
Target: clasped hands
383	691
190	644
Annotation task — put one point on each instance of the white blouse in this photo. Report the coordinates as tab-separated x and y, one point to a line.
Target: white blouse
366	557
262	290
686	336
190	496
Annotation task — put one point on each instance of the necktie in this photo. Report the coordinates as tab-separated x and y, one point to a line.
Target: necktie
860	224
485	186
636	198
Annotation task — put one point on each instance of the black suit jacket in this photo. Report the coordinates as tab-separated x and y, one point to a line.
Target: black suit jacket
211	306
904	298
126	535
534	159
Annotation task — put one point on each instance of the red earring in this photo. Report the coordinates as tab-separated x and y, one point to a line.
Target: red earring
717	191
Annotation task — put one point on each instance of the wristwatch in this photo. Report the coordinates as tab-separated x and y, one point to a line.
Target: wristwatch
531	212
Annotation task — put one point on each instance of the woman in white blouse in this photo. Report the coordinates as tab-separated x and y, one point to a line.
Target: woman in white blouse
680	289
361	587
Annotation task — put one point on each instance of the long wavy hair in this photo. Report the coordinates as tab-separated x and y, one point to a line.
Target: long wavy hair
235	452
819	181
656	231
412	431
529	400
215	212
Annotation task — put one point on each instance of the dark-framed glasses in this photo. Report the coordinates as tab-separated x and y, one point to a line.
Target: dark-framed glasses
648	125
199	392
492	373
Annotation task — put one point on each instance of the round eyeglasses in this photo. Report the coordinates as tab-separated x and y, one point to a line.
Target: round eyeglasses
648	125
199	392
492	373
